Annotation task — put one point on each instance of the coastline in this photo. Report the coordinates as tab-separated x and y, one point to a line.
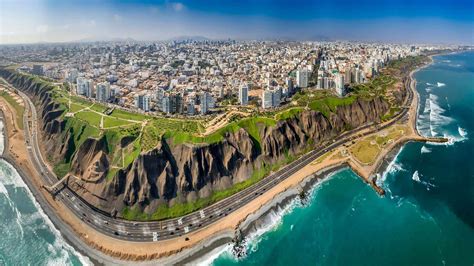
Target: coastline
246	225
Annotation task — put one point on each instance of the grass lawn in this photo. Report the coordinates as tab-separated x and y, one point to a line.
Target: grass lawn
128	115
98	108
75	107
110	121
90	117
365	151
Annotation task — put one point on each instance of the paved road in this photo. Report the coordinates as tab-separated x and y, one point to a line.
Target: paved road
178	227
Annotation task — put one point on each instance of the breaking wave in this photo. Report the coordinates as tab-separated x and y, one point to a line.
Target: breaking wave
435	114
440	84
425	149
462	132
416	176
393	167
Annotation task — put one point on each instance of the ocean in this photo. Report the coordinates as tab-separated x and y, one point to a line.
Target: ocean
27	235
427	215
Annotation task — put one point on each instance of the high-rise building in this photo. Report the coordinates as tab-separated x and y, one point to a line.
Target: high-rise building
327	83
190	108
243	95
348	76
37	70
289	85
276	97
267	99
320	82
358	76
102	91
165	105
71	75
143	102
339	81
205	99
176	104
84	87
302	76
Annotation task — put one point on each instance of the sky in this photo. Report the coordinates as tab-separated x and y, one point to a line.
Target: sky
401	21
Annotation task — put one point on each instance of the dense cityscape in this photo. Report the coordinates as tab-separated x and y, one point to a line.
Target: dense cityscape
200	77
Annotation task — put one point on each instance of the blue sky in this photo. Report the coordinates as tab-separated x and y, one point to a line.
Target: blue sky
26	21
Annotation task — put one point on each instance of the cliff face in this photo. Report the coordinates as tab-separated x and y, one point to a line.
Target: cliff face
183	172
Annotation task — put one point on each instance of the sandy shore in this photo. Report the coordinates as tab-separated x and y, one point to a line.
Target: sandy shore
107	250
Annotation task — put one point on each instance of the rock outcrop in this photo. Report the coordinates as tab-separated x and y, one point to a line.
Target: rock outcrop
182	172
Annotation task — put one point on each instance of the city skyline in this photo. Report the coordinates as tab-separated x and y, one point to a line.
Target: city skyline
412	22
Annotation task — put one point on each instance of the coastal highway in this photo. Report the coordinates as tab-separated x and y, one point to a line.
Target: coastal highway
178	227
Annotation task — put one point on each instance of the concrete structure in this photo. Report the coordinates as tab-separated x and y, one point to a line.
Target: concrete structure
165	105
205	99
143	102
37	70
340	86
302	76
267	99
243	95
102	92
84	87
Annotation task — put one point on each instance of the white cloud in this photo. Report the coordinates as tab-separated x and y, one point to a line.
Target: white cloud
42	28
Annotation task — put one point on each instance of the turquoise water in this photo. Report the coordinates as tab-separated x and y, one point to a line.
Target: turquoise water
427	216
27	235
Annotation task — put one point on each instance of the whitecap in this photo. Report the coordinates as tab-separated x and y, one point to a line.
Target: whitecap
9	176
440	84
213	255
462	132
393	167
437	119
4	191
425	149
416	176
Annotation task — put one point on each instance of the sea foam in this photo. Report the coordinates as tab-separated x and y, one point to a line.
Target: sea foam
416	177
462	132
425	149
9	176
